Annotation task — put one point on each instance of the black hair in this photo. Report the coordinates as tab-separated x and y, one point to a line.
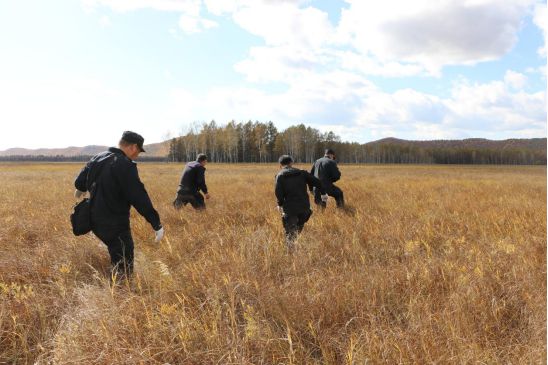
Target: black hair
285	160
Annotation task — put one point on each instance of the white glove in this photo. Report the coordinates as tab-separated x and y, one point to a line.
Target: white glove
78	193
159	234
324	198
281	210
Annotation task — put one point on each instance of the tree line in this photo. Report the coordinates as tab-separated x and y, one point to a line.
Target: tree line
63	158
257	142
250	142
262	142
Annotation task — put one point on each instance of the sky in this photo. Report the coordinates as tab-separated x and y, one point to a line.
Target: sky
80	72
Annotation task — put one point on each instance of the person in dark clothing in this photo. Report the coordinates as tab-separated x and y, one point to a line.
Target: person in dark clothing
293	202
113	182
192	182
327	171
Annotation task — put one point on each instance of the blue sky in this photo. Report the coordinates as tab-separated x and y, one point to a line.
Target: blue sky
80	72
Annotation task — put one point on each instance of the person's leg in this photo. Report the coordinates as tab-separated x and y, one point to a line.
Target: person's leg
303	218
198	201
120	247
291	226
182	200
337	193
178	202
121	253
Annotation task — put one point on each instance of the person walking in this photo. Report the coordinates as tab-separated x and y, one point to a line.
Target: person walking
112	179
327	171
292	198
192	182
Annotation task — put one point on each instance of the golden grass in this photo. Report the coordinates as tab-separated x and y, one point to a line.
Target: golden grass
430	264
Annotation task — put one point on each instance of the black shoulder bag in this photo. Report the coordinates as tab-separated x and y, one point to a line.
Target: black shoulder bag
80	218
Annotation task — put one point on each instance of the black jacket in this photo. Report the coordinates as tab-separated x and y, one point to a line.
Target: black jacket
193	179
327	171
291	190
117	188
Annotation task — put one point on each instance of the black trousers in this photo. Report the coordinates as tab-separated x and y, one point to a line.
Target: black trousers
334	192
196	200
294	224
120	247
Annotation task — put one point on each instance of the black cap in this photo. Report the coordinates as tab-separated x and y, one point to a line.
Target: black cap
132	137
201	157
329	151
285	160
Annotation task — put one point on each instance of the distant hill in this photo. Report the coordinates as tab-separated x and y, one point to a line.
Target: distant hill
152	150
386	150
537	144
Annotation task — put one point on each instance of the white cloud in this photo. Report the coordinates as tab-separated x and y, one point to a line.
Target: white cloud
392	38
324	67
498	109
405	113
491	110
74	112
104	21
280	63
224	7
432	34
194	24
540	18
515	80
91	112
297	39
181	105
190	21
541	70
186	6
282	23
369	65
319	99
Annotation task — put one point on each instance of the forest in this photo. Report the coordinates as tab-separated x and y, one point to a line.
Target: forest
258	142
262	142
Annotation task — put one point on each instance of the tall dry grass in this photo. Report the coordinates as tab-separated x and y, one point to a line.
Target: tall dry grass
430	264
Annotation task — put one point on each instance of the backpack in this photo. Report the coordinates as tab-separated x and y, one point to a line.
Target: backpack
80	218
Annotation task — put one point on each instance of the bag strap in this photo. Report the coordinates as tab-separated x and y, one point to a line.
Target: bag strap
93	185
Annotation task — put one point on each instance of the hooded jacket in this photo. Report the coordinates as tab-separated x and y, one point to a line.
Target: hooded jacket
113	180
291	192
193	179
327	171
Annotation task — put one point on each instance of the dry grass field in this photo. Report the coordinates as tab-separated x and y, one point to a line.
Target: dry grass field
429	264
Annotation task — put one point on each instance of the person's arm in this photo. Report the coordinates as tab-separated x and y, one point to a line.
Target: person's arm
335	172
81	180
200	180
313	181
80	183
279	191
312	170
137	195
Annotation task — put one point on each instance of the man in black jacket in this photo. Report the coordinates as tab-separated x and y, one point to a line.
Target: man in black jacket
192	182
293	202
112	179
327	171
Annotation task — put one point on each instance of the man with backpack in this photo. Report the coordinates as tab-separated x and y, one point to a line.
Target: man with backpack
113	182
